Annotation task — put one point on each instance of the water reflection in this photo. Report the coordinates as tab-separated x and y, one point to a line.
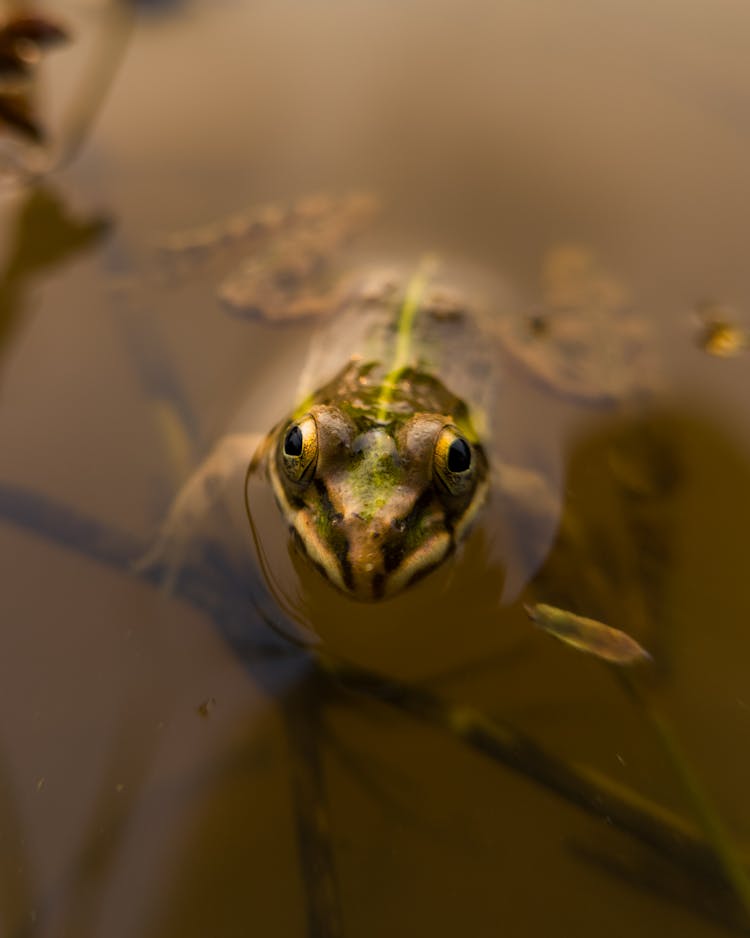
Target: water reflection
374	775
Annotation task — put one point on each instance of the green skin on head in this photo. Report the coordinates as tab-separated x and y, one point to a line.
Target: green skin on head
378	477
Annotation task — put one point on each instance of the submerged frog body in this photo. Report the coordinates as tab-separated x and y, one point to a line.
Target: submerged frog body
381	469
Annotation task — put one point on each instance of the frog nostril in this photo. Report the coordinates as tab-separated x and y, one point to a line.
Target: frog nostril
398	524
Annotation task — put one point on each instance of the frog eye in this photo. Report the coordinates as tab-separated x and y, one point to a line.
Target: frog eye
453	462
298	451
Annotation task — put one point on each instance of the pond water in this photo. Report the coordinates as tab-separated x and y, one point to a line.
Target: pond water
173	767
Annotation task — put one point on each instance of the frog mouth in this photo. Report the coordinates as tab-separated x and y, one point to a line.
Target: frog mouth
368	562
373	555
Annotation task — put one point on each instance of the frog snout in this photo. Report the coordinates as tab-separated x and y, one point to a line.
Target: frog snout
376	548
368	541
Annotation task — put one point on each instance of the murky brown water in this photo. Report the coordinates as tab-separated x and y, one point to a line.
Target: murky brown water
491	132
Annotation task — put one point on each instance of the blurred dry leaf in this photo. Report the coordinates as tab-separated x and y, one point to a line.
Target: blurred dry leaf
23	40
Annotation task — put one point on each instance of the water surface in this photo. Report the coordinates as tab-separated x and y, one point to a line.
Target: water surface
153	774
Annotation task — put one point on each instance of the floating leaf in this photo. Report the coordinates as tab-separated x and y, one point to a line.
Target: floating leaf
588	635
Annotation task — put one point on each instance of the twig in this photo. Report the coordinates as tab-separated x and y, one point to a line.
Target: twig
301	709
658	827
711	824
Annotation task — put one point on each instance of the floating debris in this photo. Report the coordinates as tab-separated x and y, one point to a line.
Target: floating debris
442	303
718	334
588	635
204	709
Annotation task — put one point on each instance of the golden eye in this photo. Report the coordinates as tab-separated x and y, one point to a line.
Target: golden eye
299	450
454	461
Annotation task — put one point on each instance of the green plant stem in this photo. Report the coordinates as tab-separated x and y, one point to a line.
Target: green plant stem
711	824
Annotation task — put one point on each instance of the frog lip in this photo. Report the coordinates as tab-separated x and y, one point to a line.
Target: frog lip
370	553
379	561
417	564
372	561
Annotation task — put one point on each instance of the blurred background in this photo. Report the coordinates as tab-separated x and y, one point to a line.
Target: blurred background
149	768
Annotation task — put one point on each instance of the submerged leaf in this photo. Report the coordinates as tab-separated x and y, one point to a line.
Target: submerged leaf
588	635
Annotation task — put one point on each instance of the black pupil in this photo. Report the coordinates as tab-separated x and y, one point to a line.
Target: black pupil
293	442
459	456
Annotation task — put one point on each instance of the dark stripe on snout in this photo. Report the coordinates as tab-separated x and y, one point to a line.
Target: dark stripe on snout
338	540
394	548
378	586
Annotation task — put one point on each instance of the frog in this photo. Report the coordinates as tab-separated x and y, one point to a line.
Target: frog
380	471
388	459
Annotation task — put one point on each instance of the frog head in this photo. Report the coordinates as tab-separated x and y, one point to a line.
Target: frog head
375	505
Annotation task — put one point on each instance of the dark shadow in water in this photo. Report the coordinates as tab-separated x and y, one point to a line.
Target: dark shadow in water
636	489
77	899
82	893
653	875
16	881
612	559
46	235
